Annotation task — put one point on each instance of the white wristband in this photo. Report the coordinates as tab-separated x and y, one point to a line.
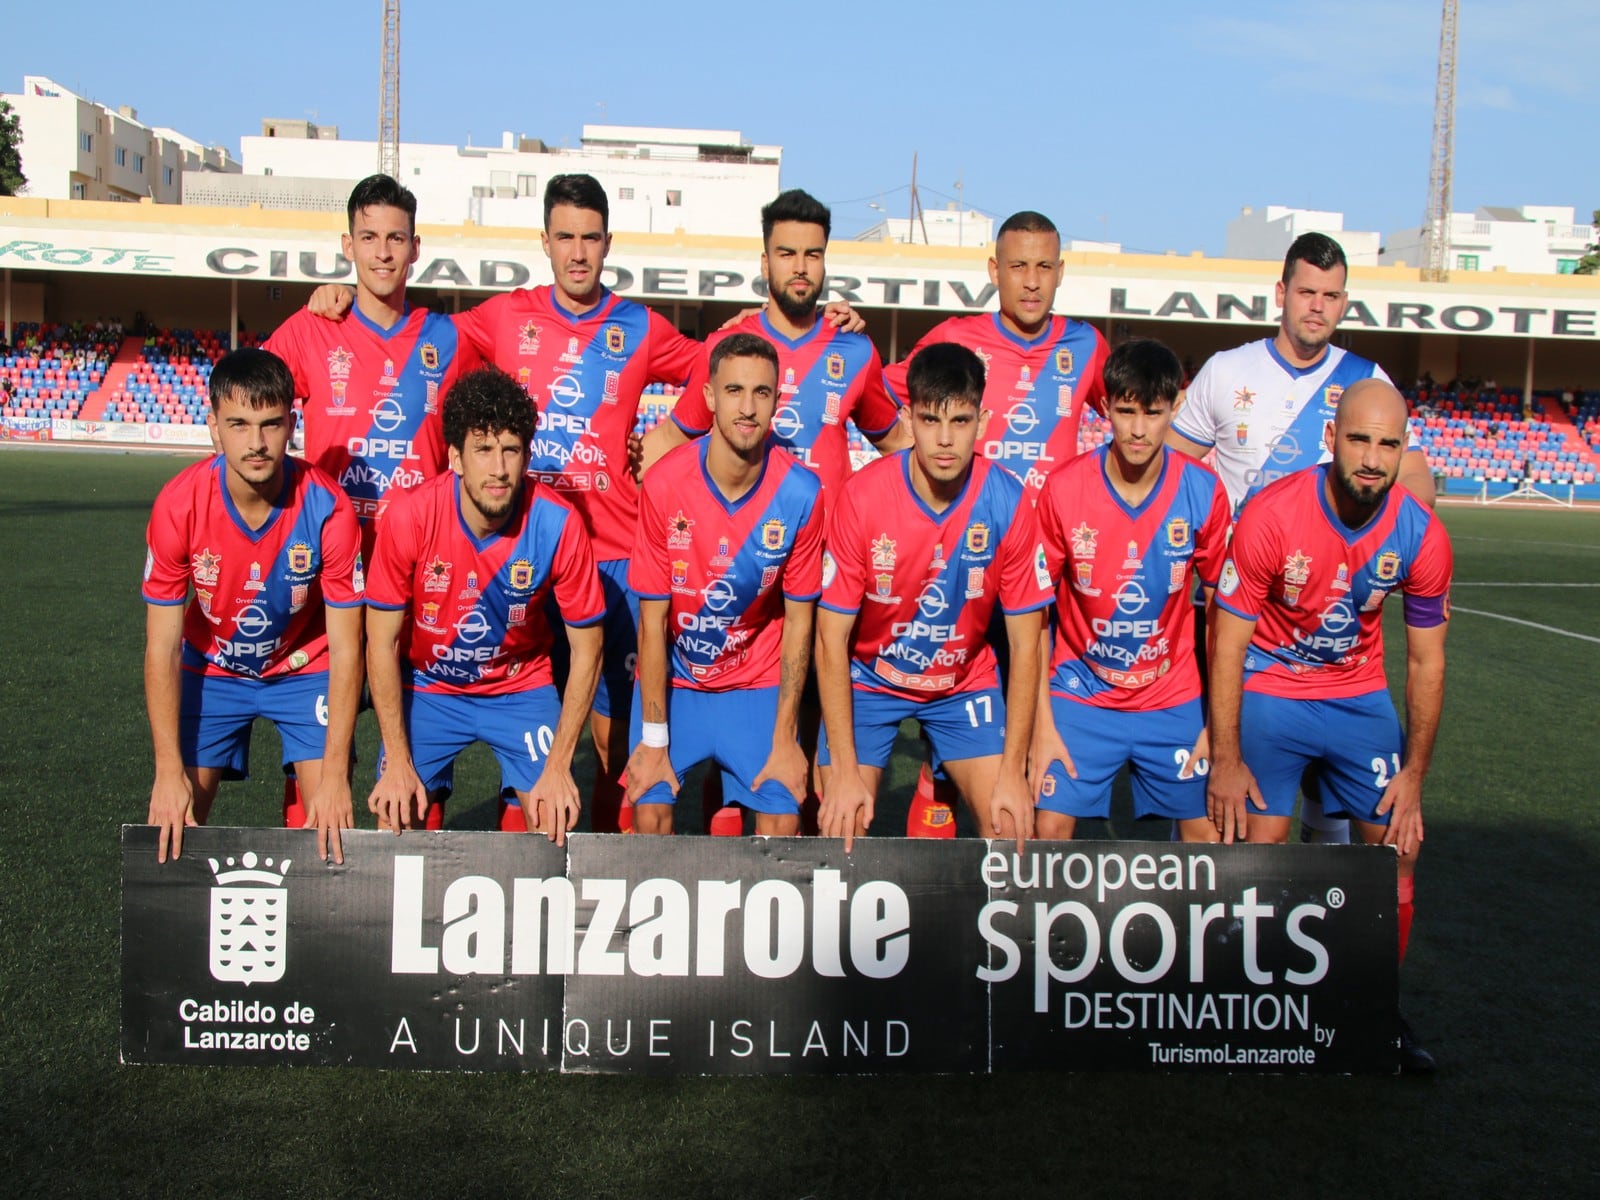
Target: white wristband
655	735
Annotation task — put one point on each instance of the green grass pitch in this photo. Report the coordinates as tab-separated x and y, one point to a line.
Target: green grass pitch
1501	981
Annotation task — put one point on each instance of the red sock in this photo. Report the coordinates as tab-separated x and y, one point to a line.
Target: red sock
727	822
294	808
512	818
1408	891
928	816
434	818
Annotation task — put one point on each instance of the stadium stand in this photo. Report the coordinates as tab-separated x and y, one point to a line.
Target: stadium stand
168	379
50	372
1485	438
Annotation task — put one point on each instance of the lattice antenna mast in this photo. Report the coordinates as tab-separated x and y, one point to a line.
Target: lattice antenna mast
1441	161
389	93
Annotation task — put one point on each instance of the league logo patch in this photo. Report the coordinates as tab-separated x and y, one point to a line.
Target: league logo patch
430	613
772	534
834	365
299	559
1177	533
678	528
1388	566
883	553
205	567
977	537
1297	568
358	576
616	339
430	356
1063	360
1083	539
521	575
528	339
249	920
1041	570
830	569
1228	583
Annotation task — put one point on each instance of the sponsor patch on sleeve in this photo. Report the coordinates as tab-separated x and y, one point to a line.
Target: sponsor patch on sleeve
1228	584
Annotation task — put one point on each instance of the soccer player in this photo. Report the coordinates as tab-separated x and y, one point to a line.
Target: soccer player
727	566
828	376
1126	530
458	641
271	549
1297	673
922	546
1041	370
1263	407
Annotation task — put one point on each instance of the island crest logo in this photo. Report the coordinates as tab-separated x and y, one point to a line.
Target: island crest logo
249	920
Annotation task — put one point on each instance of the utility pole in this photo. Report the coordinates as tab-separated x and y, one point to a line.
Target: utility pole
1441	159
389	93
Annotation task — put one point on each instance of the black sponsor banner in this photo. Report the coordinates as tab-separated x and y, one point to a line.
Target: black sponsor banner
1118	956
485	951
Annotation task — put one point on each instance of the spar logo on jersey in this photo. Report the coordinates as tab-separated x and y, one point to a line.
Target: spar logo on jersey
521	576
773	534
249	920
616	339
300	559
1178	533
1063	360
204	566
1388	566
834	365
977	538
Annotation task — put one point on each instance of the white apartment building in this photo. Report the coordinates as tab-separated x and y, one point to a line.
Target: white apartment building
949	226
695	181
77	149
1533	239
1266	233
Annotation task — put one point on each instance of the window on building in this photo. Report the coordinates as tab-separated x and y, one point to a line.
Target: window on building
78	191
85	141
674	199
1566	266
624	193
527	185
266	170
166	176
1466	262
119	155
138	163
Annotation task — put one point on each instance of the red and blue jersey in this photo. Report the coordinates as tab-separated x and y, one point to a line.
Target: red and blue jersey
726	568
1035	387
372	398
1315	587
258	593
923	584
825	378
1125	631
584	374
477	622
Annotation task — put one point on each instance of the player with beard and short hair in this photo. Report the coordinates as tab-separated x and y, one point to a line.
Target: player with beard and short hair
458	640
1297	670
923	546
271	550
727	565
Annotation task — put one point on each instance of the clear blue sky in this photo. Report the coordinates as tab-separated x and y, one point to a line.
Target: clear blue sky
1149	122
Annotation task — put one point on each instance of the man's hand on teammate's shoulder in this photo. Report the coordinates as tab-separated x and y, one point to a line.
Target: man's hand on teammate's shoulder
328	811
331	301
399	800
1230	788
840	315
171	809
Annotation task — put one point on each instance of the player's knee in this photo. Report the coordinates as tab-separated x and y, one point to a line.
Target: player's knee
652	818
1053	826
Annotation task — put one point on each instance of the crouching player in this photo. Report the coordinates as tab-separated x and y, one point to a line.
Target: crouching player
272	550
458	646
1125	531
727	564
921	546
1297	673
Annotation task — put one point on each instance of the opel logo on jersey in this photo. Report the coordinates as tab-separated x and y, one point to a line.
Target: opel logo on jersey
719	594
1130	597
472	627
565	390
387	414
1022	420
1337	617
1286	450
252	621
786	422
932	602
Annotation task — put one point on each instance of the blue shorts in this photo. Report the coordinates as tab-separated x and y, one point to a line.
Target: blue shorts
518	727
215	713
1356	740
621	652
958	726
734	729
1155	743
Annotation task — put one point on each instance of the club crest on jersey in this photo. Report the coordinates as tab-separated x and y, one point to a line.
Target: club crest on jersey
772	534
1084	578
1177	533
1388	566
1244	400
1083	541
883	553
1297	568
206	565
834	365
430	613
1063	399
1063	360
430	356
528	338
680	572
885	584
616	339
830	408
299	559
977	537
1332	393
974	582
203	598
339	363
678	530
436	576
521	575
1241	433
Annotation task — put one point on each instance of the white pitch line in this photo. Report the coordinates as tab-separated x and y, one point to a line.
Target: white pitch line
1582	637
1497	583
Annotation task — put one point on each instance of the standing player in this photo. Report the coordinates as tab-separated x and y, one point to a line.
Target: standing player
1297	674
274	629
922	547
1041	369
1264	406
458	642
727	566
1126	531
